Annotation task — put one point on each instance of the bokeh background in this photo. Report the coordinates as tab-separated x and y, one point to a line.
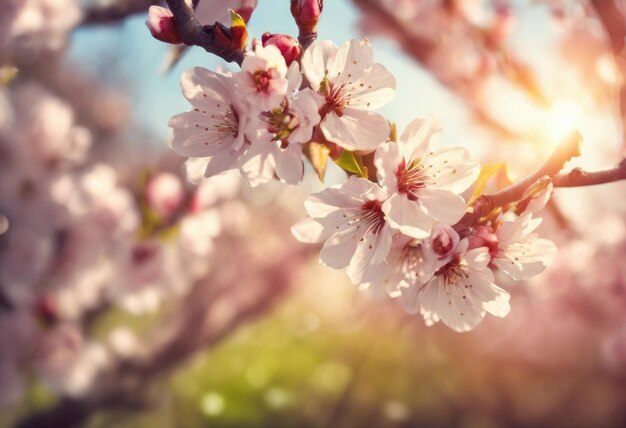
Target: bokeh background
118	310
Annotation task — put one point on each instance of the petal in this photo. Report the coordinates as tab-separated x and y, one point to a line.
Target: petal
221	162
419	137
194	135
308	231
407	216
195	168
449	168
478	258
374	90
410	297
339	249
359	58
441	205
387	159
356	129
521	261
319	60
258	164
289	164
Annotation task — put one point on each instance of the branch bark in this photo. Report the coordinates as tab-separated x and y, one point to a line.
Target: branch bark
579	177
486	203
195	34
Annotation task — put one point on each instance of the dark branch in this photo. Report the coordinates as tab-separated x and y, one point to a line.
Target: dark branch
487	203
195	34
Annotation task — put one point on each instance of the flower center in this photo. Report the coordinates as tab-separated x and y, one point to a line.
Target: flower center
410	179
372	214
452	272
229	124
336	98
262	79
281	124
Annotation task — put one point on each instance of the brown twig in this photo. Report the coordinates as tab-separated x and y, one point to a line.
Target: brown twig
579	177
486	203
195	34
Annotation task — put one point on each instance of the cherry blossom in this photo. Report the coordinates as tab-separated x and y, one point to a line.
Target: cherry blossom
352	85
278	134
460	290
215	128
520	253
424	180
359	234
262	81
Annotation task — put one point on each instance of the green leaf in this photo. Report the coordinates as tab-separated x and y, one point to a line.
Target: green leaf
353	163
486	172
318	156
7	74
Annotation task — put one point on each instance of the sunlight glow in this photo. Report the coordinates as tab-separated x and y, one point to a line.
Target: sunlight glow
564	117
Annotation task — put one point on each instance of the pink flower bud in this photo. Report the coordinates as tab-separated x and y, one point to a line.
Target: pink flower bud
162	25
165	194
441	243
287	45
307	13
483	236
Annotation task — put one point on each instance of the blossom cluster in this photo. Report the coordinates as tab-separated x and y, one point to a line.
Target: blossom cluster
392	230
79	238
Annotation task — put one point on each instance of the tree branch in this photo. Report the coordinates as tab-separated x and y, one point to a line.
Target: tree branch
114	12
487	203
195	34
579	177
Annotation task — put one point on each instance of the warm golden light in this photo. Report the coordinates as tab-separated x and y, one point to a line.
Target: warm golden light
564	117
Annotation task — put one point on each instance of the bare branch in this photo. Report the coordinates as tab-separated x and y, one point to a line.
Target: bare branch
579	177
206	36
568	149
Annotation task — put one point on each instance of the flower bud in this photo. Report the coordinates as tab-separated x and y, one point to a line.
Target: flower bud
162	25
289	47
307	13
165	194
441	243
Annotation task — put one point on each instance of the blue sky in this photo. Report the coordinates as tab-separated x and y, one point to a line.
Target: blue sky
156	97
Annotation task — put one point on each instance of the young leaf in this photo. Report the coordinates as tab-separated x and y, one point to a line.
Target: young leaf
318	156
352	162
486	172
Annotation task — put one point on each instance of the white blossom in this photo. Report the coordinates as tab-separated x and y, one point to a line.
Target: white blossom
424	180
352	85
277	135
520	253
359	236
215	128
